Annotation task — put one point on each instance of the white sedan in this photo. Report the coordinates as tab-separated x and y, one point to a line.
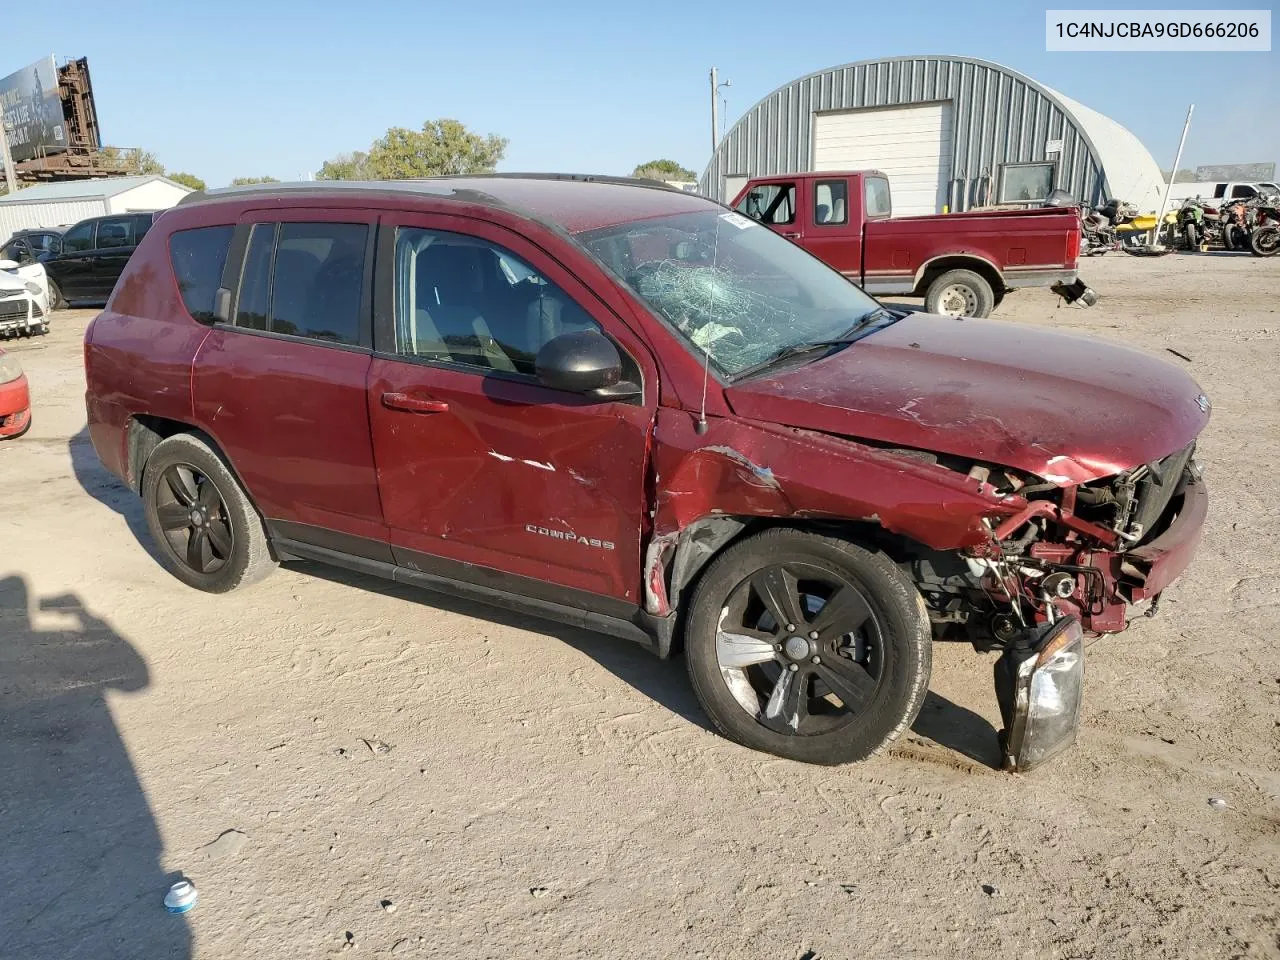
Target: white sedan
24	299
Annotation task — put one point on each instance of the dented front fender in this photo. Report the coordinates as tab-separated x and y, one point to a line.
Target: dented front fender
746	469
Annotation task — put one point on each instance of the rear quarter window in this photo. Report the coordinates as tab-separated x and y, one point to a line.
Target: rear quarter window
198	257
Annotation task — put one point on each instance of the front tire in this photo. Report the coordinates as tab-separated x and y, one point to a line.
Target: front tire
960	293
1193	238
1264	241
207	532
808	647
1232	237
56	300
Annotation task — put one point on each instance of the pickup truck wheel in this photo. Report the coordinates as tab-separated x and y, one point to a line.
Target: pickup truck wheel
960	293
808	647
56	300
208	533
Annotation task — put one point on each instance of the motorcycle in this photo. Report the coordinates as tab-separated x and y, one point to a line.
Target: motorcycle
1199	224
1097	224
1235	228
1264	225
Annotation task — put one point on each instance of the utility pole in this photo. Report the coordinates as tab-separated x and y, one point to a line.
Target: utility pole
10	177
715	111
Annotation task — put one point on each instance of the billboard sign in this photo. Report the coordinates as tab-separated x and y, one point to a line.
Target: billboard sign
1237	172
32	111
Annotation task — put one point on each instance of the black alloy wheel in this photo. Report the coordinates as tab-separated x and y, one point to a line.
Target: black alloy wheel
800	649
194	519
808	646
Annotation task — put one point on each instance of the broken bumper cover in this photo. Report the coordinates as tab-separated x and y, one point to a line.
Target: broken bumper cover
1146	570
15	407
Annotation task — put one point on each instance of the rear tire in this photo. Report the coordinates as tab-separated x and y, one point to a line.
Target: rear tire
960	293
860	634
207	531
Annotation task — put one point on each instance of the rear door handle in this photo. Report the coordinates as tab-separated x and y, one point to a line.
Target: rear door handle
402	401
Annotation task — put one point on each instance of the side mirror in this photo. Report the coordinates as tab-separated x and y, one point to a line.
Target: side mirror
583	362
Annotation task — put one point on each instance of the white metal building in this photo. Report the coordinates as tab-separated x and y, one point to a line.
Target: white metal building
950	132
68	202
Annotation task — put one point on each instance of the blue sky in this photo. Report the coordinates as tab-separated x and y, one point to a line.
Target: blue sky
238	88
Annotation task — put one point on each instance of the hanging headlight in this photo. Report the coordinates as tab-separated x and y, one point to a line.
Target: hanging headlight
1040	685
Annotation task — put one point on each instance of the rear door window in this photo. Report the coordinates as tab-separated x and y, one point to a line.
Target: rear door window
141	224
115	232
318	280
199	257
79	238
305	280
830	202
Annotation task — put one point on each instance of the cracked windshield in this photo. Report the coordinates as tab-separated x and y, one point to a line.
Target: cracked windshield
736	290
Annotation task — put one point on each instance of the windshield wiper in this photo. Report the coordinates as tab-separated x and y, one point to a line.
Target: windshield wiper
795	350
870	317
809	346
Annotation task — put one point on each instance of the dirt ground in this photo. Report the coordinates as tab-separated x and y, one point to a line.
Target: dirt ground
518	789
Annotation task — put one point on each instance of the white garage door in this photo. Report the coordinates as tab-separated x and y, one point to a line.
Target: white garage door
911	144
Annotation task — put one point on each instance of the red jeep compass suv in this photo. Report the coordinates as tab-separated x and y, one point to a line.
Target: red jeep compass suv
632	409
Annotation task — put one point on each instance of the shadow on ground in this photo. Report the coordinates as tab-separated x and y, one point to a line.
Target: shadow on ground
80	875
107	489
958	728
664	682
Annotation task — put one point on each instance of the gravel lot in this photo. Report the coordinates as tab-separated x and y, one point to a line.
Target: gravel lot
518	789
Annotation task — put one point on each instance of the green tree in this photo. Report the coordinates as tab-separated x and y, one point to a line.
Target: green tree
136	162
346	166
188	180
442	147
663	170
245	181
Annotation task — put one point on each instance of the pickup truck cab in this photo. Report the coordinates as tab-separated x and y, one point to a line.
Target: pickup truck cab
631	409
961	263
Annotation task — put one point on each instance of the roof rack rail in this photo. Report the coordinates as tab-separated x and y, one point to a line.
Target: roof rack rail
268	188
580	177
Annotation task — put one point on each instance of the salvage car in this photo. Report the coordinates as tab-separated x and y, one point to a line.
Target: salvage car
91	256
632	409
15	398
962	264
32	244
24	298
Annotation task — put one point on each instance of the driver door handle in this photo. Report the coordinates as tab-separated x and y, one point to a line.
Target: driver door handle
403	401
790	234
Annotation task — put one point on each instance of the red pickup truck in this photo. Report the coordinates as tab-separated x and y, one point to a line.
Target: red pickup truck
961	263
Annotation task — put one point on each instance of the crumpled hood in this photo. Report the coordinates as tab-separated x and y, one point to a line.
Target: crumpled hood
1064	407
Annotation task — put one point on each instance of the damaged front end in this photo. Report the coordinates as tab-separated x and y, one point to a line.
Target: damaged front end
1072	561
1090	551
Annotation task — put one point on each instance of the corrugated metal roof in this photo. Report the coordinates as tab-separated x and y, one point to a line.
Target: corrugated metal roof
1132	173
82	189
1001	117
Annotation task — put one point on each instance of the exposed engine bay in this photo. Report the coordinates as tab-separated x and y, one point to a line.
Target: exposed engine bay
1088	551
